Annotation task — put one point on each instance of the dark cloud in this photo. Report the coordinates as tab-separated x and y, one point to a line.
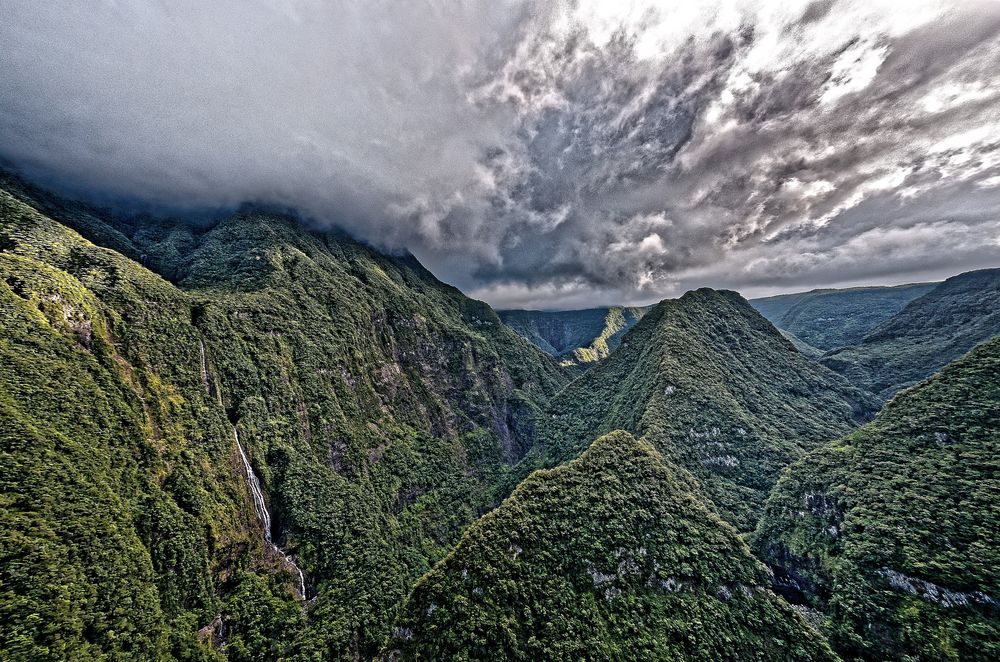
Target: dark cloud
551	155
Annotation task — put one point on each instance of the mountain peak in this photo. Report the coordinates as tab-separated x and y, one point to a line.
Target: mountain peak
580	551
713	386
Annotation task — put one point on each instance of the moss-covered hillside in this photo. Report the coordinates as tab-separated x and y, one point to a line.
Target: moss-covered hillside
714	387
379	407
926	335
612	556
894	530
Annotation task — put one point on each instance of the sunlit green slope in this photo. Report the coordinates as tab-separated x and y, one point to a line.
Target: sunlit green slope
379	407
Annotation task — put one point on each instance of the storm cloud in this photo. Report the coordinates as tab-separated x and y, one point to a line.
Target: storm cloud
550	155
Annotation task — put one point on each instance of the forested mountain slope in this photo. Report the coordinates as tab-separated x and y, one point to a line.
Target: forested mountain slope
926	335
713	386
894	530
828	319
249	439
379	408
576	337
121	498
612	556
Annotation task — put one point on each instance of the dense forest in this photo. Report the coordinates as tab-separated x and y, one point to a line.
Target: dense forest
615	555
892	530
250	439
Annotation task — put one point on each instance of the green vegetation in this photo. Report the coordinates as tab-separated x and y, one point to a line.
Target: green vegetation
828	319
117	503
380	408
715	388
387	416
612	556
893	530
576	337
803	348
926	335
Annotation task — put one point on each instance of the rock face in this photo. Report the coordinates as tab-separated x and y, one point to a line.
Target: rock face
930	332
713	386
894	530
612	556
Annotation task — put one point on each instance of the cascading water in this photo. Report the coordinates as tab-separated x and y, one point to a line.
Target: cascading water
260	507
253	483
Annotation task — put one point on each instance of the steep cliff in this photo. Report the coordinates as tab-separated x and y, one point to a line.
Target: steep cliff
377	407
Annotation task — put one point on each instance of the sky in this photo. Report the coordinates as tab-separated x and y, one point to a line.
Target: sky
551	155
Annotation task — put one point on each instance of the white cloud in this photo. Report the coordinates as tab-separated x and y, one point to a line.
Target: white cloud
542	153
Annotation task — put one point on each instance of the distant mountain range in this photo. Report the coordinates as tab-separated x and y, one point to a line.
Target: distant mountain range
926	335
575	337
828	319
250	439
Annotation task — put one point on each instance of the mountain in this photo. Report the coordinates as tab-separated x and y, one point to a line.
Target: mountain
828	319
166	389
926	335
714	387
894	531
248	439
803	348
609	557
577	337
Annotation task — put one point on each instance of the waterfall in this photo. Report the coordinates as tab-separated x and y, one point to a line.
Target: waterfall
260	508
253	483
204	368
256	493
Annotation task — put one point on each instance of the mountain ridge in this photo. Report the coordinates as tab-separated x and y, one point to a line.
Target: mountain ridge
715	388
584	553
892	529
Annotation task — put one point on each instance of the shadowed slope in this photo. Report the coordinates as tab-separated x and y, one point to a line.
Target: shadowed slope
926	335
828	319
894	530
576	337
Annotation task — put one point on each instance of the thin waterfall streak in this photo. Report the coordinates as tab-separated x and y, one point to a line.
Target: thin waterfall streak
253	483
256	492
204	368
263	514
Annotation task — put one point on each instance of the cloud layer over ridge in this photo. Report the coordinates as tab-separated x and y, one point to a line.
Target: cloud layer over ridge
540	154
